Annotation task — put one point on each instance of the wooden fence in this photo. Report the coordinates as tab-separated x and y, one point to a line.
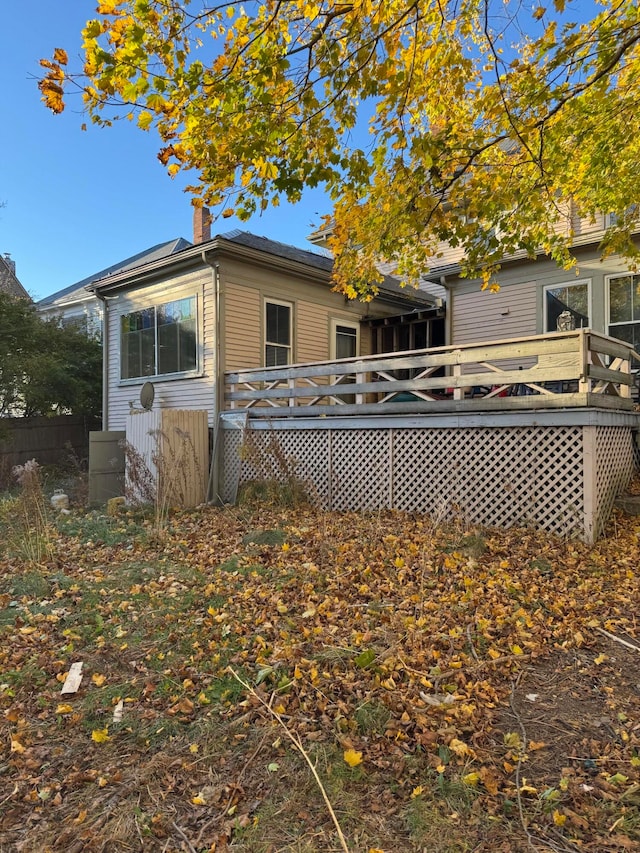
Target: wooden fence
50	441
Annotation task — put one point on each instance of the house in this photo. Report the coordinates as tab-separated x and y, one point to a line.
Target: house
76	305
601	294
233	301
9	282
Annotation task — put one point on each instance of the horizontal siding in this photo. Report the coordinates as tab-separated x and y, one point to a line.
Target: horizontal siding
482	316
242	323
192	393
312	332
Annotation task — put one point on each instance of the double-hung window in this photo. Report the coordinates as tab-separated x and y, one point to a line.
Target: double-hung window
624	308
573	298
160	340
278	333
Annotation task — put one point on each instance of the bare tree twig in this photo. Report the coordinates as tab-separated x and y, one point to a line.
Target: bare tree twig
298	744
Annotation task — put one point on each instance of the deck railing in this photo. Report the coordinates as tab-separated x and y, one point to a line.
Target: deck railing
560	369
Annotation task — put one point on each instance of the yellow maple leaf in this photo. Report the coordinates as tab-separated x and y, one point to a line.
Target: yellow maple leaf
100	735
98	679
64	708
352	757
516	650
417	791
198	800
600	659
16	746
558	818
460	748
471	779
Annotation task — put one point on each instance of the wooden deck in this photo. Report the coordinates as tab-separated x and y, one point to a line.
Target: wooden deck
580	368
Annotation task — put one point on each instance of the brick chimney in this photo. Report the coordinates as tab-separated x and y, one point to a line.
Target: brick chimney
201	225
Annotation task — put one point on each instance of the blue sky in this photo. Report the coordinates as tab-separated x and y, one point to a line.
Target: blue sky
76	202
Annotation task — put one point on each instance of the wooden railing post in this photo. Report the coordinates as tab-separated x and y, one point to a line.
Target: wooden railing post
360	377
458	393
584	382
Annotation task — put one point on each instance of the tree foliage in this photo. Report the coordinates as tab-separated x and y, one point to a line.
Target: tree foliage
45	368
484	123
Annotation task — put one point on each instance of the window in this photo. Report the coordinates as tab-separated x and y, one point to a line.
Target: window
344	343
277	336
345	340
624	308
567	297
160	340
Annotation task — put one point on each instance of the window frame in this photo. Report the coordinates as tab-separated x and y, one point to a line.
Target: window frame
155	306
548	287
268	300
608	324
333	332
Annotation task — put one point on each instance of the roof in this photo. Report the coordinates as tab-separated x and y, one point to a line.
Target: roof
252	247
77	291
9	282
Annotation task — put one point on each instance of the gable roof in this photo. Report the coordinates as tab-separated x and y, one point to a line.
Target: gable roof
250	246
78	291
9	282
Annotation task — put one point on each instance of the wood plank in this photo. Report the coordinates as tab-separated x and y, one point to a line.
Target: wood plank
442	406
603	374
467	380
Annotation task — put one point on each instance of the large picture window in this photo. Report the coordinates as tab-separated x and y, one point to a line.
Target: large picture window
567	297
160	340
277	336
624	308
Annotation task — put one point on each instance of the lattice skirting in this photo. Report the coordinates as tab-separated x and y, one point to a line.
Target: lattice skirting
562	478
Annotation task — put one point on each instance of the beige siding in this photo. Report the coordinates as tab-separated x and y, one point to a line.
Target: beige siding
246	288
242	324
311	332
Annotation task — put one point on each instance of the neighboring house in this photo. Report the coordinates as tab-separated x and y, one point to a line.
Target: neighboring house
231	302
601	294
9	282
77	306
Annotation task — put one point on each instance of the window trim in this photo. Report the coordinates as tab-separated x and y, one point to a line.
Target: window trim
607	280
548	287
334	322
164	299
268	300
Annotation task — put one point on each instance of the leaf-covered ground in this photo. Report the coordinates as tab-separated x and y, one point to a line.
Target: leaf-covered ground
453	687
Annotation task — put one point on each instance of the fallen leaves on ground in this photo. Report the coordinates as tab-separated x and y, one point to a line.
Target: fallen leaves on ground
402	656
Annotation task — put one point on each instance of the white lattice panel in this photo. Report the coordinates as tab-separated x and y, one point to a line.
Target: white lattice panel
302	455
231	463
360	469
503	477
490	475
614	467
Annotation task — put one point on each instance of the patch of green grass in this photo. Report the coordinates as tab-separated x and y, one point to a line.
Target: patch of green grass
102	529
265	537
428	815
473	545
372	718
31	585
